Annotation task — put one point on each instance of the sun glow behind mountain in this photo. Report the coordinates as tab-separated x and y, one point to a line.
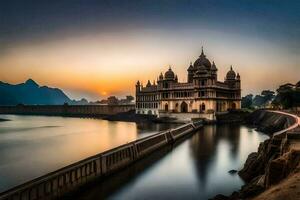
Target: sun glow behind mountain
108	56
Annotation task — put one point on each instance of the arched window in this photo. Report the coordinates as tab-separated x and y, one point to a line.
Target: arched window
149	112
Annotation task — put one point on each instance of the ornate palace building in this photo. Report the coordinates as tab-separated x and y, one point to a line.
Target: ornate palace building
201	94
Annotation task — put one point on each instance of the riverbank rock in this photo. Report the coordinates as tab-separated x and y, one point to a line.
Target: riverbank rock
269	122
253	188
233	171
233	116
276	160
233	196
287	189
281	167
220	197
4	120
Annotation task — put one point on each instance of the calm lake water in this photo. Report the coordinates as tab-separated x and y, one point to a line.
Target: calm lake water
31	146
196	168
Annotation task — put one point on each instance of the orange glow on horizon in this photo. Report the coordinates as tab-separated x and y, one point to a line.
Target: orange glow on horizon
111	64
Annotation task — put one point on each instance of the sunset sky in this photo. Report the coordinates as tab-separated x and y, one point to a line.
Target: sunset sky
94	49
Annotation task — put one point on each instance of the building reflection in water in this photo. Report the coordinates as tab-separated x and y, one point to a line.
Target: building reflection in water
195	168
218	149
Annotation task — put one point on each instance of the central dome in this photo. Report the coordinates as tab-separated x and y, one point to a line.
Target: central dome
230	74
169	74
202	60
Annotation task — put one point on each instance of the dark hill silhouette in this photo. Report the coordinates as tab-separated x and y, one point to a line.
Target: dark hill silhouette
30	93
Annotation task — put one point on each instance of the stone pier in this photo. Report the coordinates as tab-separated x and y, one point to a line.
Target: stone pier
69	178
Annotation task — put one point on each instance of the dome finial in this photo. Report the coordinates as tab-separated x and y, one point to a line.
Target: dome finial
231	67
202	53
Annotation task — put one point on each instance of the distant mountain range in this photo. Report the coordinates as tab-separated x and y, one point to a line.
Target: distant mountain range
30	93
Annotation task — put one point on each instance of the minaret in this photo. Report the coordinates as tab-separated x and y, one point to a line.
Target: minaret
191	72
238	80
214	70
138	87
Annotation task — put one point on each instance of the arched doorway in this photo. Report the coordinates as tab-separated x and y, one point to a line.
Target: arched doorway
218	107
149	112
176	107
184	107
166	107
202	107
233	106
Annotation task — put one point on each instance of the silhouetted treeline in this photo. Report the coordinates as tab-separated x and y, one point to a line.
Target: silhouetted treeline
286	96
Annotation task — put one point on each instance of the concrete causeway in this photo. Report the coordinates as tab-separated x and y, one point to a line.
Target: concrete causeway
58	183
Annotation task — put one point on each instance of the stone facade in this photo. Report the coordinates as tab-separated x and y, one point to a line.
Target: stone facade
202	93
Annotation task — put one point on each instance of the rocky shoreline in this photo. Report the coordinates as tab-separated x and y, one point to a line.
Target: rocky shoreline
4	120
276	161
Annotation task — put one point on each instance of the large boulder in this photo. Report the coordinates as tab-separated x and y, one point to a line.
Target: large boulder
253	188
280	168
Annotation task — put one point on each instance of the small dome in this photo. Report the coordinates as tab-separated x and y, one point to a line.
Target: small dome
176	78
230	74
191	67
148	84
161	77
169	74
214	67
202	60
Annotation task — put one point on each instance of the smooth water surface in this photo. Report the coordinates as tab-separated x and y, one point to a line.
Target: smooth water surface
31	146
196	168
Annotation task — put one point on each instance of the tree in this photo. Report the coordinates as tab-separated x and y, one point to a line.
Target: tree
264	99
288	96
268	95
129	98
247	101
259	101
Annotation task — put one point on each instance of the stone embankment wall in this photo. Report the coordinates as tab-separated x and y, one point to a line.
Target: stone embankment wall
66	110
67	179
277	159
